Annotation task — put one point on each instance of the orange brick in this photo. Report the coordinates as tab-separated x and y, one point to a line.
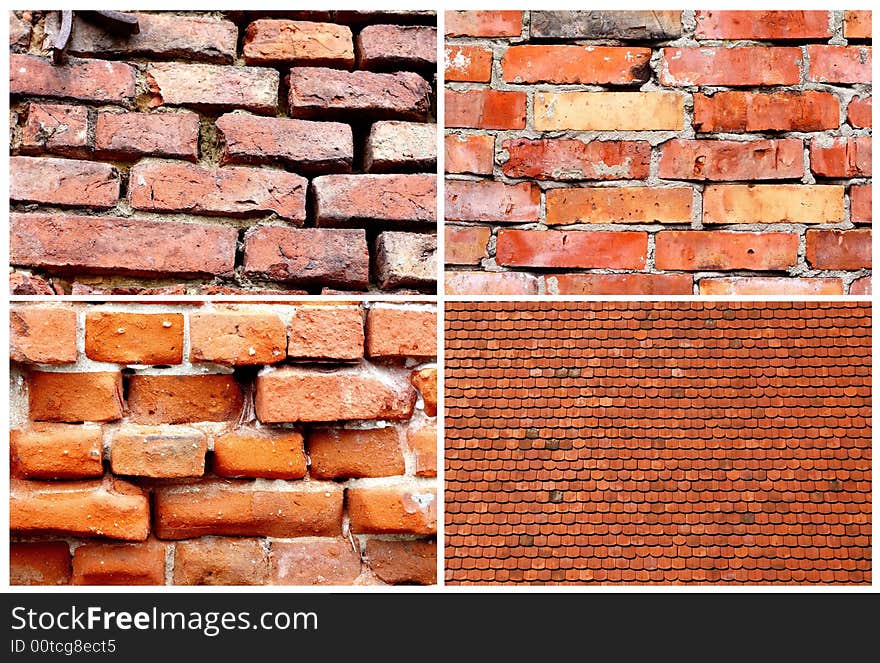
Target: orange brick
163	452
809	110
392	510
483	23
720	160
756	285
585	65
841	157
178	399
220	561
395	331
345	453
773	203
260	452
237	337
134	338
718	250
620	284
425	380
403	562
275	41
469	154
314	562
327	332
860	203
857	24
839	64
466	245
619	205
119	564
39	563
569	159
492	201
467	63
839	249
485	109
737	66
73	397
859	112
490	283
575	249
57	451
422	441
608	111
757	25
42	334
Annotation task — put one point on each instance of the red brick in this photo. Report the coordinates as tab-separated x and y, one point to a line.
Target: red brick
619	205
403	562
314	562
22	283
117	245
270	41
467	63
756	25
569	159
326	332
260	452
406	260
466	245
839	249
857	24
773	203
342	200
809	110
39	563
237	337
56	451
119	564
718	250
131	135
220	561
492	201
293	394
425	380
393	146
86	80
396	331
490	283
42	334
365	95
756	285
485	109
178	399
859	112
392	510
73	397
351	453
577	249
584	65
397	47
238	508
232	191
159	452
483	23
213	87
308	255
63	182
469	154
728	160
422	441
861	286
839	64
620	284
860	203
737	66
109	508
134	338
841	157
56	128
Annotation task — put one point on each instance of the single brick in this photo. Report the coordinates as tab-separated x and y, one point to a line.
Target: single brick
39	563
314	562
602	24
213	87
238	508
85	80
108	508
719	251
397	47
42	334
134	338
271	41
758	25
861	286
490	283
308	255
860	203
56	451
63	182
841	157
608	111
857	24
237	337
734	66
772	203
467	63
839	64
220	561
350	453
578	249
584	65
161	186
317	92
293	394
73	397
116	245
859	112
485	109
395	146
492	201
757	285
620	284
397	331
178	399
343	200
466	245
729	160
425	380
326	332
392	510
808	110
839	249
260	452
160	452
403	562
634	204
422	441
483	23
119	564
22	283
131	135
78	288
56	128
469	154
570	159
406	260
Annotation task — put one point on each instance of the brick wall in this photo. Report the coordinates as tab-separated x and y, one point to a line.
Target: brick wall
218	152
671	152
223	444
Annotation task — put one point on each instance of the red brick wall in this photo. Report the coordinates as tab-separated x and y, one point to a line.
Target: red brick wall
672	152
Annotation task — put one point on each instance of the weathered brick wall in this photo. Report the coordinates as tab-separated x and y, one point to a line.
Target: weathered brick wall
223	444
225	151
671	152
